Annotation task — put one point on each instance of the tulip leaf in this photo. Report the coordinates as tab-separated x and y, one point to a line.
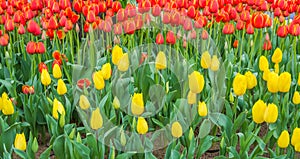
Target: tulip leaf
126	155
20	153
58	146
46	153
204	128
149	155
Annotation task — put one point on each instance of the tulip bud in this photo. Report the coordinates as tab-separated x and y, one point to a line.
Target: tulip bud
61	87
231	98
277	56
116	103
296	98
176	129
191	134
159	39
142	126
62	121
271	113
20	142
84	102
298	82
35	145
239	84
96	120
123	63
205	60
78	138
196	82
192	97
122	138
160	61
171	39
202	109
72	134
258	111
284	139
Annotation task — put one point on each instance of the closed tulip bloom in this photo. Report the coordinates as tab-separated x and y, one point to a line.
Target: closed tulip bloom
215	64
192	97
239	84
96	119
84	102
271	113
161	61
272	83
296	98
263	63
117	53
277	56
106	71
137	104
116	103
142	126
202	109
20	142
284	82
57	108
196	82
98	80
176	129
7	105
123	64
258	111
56	71
297	147
266	75
284	139
61	87
45	77
295	137
205	60
251	80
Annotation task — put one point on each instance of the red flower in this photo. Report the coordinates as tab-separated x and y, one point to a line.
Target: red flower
83	83
204	34
171	39
21	29
31	47
294	29
77	5
159	39
33	27
52	24
187	25
143	57
121	15
240	25
28	89
156	10
116	5
42	66
267	45
258	20
192	34
3	41
214	6
118	29
9	25
60	34
250	29
129	27
62	21
245	16
228	28
282	31
91	17
235	43
166	18
191	12
102	7
131	10
69	25
40	48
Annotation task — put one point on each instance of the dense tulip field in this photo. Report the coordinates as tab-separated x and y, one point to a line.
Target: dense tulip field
149	79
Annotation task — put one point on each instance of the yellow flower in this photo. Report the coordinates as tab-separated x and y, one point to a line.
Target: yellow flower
277	56
266	75
137	104
263	63
284	82
106	71
276	68
297	147
61	87
205	60
96	119
296	98
258	111
192	97
215	64
20	142
57	108
251	80
298	79
45	77
271	113
123	64
7	105
196	82
239	84
272	82
117	53
98	80
1	104
142	126
295	137
84	102
176	129
56	71
284	139
202	109
161	61
116	103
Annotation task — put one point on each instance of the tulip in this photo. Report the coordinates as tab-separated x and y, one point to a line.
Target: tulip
116	103
31	47
204	34
271	113
215	64
235	43
296	98
258	111
239	84
277	56
282	31
196	82
284	139
61	87
1	104
21	29
176	129
3	41
266	75
57	108
45	77
33	27
263	63
9	25
96	121
156	10
251	80
106	71
56	71
205	60
276	68
161	61
137	104
192	97
142	126
284	82
84	102
123	63
191	12
7	105
272	83
20	142
258	20
117	53
171	39
42	66
297	147
202	109
98	80
83	83
295	137
159	39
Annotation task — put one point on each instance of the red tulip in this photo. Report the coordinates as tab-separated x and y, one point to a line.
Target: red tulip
267	45
55	8
118	29
42	66
131	10
63	4
188	25
204	34
166	18
21	29
60	34
138	20
62	21
83	83
77	5
171	39
91	17
175	18
228	28
245	16
235	43
294	29
277	12
146	4
200	22
102	7
121	15
31	47
156	10
28	89
33	27
40	48
116	5
106	26
69	25
129	27
52	24
159	39
143	57
9	25
3	41
214	6
250	28
258	20
192	34
191	12
239	25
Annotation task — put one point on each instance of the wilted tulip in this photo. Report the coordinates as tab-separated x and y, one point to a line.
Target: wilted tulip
176	129
277	56
258	111
142	126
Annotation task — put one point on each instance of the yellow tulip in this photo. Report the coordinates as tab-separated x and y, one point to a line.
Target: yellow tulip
57	108
263	63
239	84
271	113
298	79
297	147
276	68
106	71
142	126
192	97
20	142
137	104
215	64
205	60
56	71
7	105
272	82
84	102
176	129
1	104
266	75
117	53
202	109
295	137
258	111
98	80
161	61
96	119
251	80
296	98
284	82
116	103
277	56
45	77
196	82
284	139
61	87
123	64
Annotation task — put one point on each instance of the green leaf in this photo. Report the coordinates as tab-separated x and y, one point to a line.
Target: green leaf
46	153
204	128
58	146
20	153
